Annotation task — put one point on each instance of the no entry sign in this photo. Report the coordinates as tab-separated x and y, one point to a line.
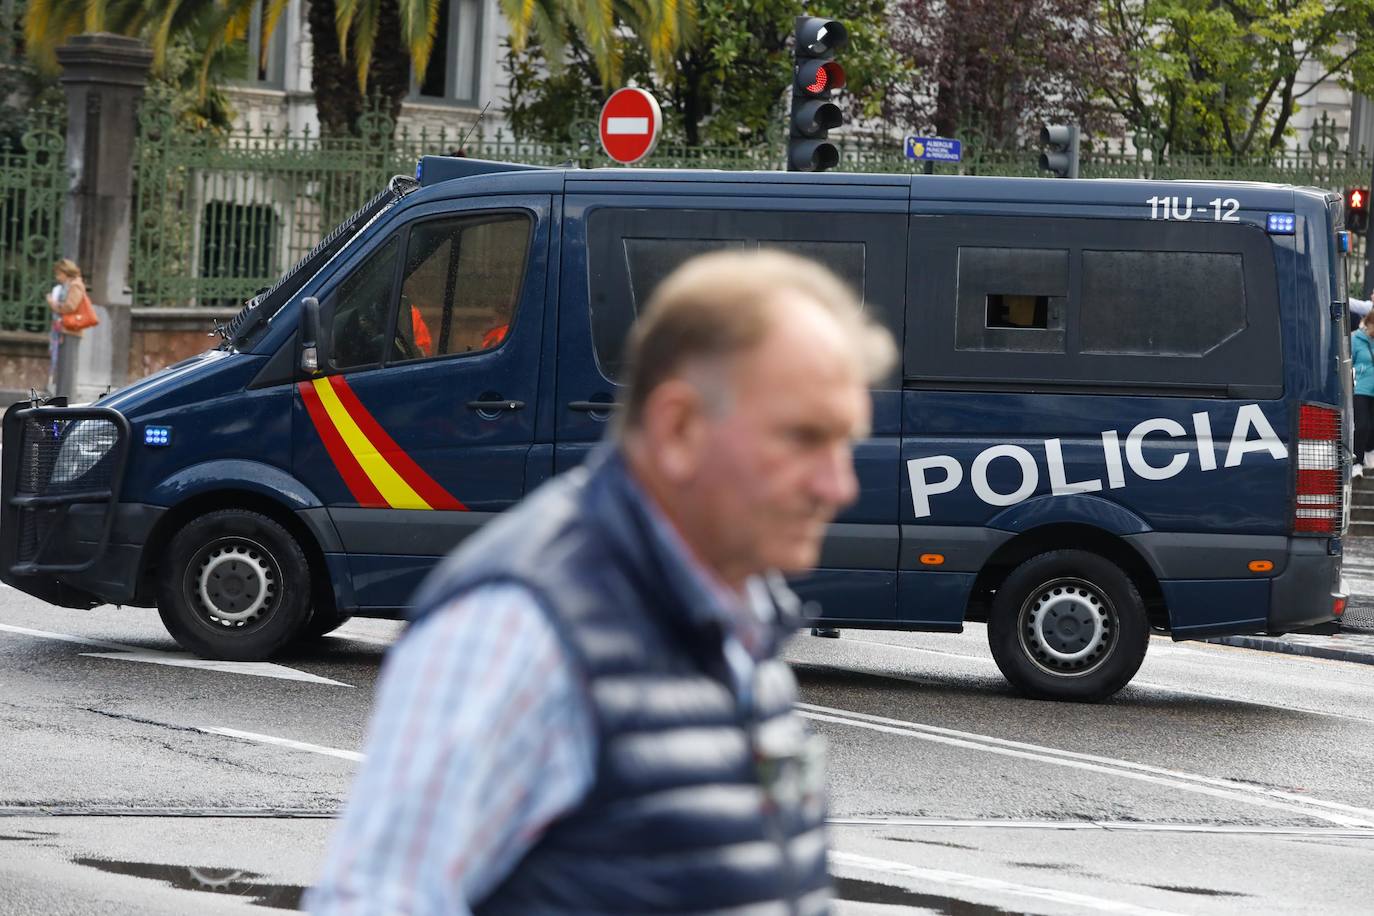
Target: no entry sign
630	122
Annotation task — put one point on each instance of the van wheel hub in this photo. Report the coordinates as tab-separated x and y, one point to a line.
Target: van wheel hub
235	582
1067	626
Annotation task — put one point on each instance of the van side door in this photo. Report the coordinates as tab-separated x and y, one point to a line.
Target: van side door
617	248
419	424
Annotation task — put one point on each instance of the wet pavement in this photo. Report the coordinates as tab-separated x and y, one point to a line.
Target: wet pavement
134	780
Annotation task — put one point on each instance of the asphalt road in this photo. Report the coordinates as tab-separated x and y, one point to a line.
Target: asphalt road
1222	781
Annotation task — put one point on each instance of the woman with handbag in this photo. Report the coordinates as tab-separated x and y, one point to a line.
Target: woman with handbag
73	314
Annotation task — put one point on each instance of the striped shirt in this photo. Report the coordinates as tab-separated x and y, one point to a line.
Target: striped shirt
481	737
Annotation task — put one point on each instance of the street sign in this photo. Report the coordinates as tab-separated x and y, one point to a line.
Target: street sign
630	124
934	149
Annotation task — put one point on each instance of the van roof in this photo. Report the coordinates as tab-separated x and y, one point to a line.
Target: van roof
1251	195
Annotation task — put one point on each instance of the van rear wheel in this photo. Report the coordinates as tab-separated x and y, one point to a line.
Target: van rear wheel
1068	625
236	586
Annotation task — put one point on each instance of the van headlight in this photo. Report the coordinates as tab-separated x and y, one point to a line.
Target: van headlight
86	442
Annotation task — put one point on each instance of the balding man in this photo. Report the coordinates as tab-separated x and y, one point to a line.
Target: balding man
589	714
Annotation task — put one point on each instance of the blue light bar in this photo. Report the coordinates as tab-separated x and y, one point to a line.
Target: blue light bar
157	435
1343	242
419	169
1282	223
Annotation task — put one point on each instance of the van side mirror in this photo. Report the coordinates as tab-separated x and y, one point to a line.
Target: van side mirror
310	334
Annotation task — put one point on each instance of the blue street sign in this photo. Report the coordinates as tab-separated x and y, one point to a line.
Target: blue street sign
935	149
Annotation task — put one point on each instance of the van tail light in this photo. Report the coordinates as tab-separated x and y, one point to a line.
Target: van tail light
1319	503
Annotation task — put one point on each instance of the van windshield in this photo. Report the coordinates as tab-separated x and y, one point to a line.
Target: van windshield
258	310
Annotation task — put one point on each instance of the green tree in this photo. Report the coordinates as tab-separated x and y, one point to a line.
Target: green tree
197	44
728	87
1221	76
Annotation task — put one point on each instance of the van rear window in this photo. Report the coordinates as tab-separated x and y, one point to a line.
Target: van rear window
1094	304
1161	303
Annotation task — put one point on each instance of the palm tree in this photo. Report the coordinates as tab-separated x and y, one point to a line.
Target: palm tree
662	27
214	28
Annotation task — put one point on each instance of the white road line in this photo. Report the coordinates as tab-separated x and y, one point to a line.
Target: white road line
1329	833
283	742
358	637
1136	682
125	653
989	885
1333	812
187	660
81	640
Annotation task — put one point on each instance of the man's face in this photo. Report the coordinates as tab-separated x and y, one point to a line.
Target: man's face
775	465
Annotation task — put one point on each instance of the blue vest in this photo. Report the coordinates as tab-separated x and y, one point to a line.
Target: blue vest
704	800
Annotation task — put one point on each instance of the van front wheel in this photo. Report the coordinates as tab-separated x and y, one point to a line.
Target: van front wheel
1068	625
235	586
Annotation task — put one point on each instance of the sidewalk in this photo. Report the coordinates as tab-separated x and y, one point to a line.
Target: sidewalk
1355	642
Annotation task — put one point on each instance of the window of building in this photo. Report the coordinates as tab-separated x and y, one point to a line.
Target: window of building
461	285
455	60
266	69
359	331
237	242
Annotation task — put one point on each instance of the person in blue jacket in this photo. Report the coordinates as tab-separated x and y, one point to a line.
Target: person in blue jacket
1362	355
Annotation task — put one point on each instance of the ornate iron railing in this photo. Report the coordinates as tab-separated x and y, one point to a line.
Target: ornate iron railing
218	218
33	182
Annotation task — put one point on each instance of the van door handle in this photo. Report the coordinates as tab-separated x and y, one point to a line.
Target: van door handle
495	406
593	406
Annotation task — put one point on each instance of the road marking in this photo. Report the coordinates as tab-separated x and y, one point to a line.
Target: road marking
1136	682
283	742
187	660
125	653
81	640
992	885
1330	833
1333	812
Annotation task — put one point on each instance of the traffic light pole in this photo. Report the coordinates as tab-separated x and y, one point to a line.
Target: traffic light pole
1368	256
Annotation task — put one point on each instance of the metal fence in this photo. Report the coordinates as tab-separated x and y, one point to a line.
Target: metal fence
33	183
218	217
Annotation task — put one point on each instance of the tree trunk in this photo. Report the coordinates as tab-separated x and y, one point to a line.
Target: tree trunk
338	99
334	82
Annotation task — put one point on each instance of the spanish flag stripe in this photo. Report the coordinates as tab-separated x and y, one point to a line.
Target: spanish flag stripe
422	483
364	493
394	489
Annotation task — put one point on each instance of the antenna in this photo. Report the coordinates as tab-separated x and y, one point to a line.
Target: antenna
463	142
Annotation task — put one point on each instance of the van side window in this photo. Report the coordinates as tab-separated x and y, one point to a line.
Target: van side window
1093	305
1012	299
631	251
361	310
461	285
1161	303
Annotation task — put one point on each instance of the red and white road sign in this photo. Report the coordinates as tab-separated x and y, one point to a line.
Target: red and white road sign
630	124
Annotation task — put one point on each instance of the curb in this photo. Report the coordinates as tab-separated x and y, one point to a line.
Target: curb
1278	644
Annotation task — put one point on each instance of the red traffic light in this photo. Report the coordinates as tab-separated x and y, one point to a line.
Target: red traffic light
1357	200
816	78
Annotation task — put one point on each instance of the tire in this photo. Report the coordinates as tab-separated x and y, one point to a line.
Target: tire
322	624
1068	625
236	586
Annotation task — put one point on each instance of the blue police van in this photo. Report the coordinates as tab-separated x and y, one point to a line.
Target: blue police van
1122	408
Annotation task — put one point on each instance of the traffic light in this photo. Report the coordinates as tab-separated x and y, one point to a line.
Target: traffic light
1357	209
1061	154
815	77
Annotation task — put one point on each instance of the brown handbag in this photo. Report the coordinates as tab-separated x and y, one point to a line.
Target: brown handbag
81	317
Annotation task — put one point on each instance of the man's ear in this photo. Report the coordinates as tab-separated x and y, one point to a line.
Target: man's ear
674	422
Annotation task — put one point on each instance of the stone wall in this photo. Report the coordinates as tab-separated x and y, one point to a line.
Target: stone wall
162	336
23	361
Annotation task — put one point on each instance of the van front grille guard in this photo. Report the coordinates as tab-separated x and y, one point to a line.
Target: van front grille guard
54	458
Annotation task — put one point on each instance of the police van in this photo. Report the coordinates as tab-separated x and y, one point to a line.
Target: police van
1122	408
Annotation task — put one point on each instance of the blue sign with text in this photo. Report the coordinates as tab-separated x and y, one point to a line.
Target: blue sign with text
936	149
